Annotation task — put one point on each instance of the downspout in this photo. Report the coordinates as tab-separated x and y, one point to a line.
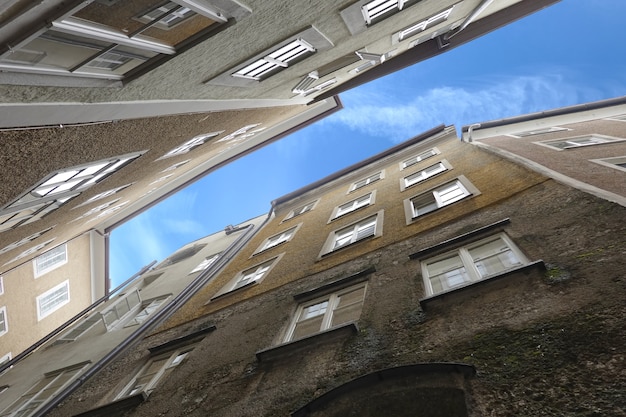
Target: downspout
470	129
158	318
469	19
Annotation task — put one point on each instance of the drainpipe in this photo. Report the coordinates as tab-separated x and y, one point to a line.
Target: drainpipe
470	130
156	319
469	19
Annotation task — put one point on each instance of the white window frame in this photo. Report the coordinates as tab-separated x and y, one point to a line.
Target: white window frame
56	305
421	26
438	197
104	194
4	321
612	162
370	226
249	276
24	240
171	359
579	141
83	327
190	145
50	260
419	158
364	182
539	131
424	174
207	262
4	359
301	209
1	285
331	302
278	239
31	250
468	264
122	309
353	205
147	308
32	400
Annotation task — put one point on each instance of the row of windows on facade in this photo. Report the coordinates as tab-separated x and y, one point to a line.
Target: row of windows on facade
100	40
476	261
60	187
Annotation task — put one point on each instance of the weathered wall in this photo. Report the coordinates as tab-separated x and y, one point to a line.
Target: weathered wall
543	342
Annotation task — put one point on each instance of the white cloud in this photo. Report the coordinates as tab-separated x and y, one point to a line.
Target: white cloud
379	114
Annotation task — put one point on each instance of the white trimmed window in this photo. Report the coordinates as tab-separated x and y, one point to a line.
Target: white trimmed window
4	325
474	262
276	60
43	391
438	197
324	313
418	158
249	276
540	131
156	369
353	205
122	309
190	145
206	263
301	210
104	194
366	181
81	328
24	241
580	141
4	359
50	260
618	162
58	188
147	308
1	285
369	227
421	26
53	299
424	174
30	251
277	239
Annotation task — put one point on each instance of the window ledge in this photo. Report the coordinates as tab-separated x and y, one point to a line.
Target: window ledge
525	269
295	346
116	408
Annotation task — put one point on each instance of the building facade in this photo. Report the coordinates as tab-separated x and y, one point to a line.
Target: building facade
84	344
436	278
583	146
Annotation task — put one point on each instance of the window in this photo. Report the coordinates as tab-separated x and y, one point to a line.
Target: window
471	263
368	227
618	162
424	174
176	165
577	142
421	26
540	131
131	310
58	188
1	285
104	194
353	205
418	158
249	276
276	60
190	145
205	263
81	328
53	299
4	359
364	13
108	41
24	241
301	210
327	312
366	181
155	370
438	197
30	251
4	325
276	240
50	385
50	260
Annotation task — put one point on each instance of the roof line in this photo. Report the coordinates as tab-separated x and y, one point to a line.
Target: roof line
344	171
594	105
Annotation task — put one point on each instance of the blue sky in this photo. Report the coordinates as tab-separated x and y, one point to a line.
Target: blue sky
567	54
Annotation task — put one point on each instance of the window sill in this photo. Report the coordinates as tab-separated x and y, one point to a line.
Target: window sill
116	408
538	266
308	342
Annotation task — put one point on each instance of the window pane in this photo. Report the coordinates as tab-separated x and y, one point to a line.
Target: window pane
493	257
307	327
447	273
